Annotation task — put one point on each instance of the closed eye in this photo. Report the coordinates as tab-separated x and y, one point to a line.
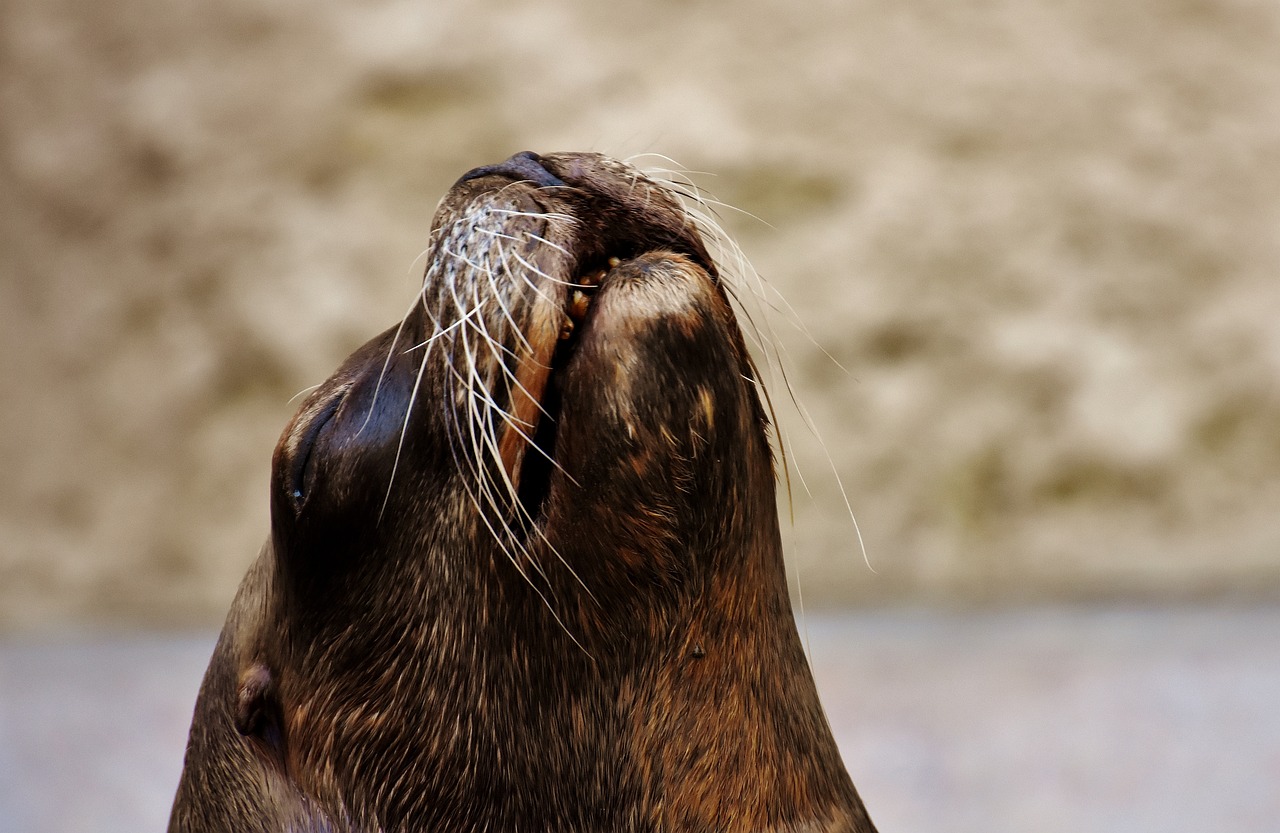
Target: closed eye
302	473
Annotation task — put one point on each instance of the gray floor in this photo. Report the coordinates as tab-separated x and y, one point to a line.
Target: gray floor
1021	721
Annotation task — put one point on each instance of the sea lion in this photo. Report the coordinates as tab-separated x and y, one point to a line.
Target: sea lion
524	570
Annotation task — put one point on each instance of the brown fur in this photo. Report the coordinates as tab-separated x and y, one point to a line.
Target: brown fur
448	632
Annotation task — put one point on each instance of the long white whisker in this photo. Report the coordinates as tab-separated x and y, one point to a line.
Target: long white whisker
700	210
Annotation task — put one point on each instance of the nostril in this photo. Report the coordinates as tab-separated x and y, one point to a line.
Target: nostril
524	166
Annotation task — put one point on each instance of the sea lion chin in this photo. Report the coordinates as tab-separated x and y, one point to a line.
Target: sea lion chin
524	570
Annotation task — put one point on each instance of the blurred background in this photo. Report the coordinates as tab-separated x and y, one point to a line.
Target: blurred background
1034	248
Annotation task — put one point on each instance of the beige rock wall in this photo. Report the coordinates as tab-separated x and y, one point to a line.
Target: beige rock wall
1042	238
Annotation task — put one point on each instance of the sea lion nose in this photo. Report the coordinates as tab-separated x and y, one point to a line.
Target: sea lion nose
525	166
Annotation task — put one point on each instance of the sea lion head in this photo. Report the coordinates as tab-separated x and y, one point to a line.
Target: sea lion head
568	402
524	569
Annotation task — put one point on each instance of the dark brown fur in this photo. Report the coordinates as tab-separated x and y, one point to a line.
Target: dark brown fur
447	632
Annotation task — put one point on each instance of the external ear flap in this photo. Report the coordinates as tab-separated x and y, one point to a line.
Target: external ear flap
258	714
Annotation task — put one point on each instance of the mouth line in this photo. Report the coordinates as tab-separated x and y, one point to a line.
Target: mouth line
611	230
540	462
580	293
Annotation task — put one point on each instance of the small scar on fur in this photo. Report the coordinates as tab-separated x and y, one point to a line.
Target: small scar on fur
697	652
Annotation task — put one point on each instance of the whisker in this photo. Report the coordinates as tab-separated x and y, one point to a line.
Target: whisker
701	212
302	393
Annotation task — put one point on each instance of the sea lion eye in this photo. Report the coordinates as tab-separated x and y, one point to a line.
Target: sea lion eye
302	473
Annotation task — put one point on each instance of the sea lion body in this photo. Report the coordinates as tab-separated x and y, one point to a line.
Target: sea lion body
524	571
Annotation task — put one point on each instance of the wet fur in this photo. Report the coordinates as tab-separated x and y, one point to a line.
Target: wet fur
522	583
